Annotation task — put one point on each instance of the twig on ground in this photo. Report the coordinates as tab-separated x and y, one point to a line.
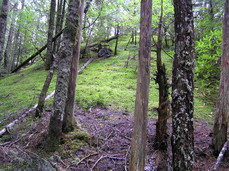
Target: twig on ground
83	159
220	157
102	157
127	152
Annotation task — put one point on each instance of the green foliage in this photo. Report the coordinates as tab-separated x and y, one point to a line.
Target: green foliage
208	53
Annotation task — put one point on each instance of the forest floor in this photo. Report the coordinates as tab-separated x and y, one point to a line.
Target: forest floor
101	144
103	141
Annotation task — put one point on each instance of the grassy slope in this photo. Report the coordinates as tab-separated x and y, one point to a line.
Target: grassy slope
104	82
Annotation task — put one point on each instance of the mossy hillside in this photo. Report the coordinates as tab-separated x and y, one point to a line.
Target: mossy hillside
106	82
21	90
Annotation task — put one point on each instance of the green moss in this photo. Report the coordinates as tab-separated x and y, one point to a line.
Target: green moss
107	83
73	141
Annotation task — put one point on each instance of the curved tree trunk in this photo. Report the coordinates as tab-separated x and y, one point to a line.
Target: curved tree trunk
3	22
138	143
182	88
222	106
55	125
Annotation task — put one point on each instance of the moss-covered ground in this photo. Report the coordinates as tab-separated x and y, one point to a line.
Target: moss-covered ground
107	82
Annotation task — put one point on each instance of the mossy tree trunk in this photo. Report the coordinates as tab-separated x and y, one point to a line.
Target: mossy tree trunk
138	143
49	53
3	22
68	122
164	104
222	106
182	87
67	45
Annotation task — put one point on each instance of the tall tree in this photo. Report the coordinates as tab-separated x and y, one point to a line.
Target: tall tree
59	23
7	52
182	87
68	122
138	143
49	53
17	42
3	22
68	42
222	106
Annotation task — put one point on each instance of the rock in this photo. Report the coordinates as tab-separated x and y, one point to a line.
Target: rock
104	53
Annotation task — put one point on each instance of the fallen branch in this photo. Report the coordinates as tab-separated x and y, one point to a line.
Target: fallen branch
85	65
37	53
97	43
23	115
220	157
102	157
82	160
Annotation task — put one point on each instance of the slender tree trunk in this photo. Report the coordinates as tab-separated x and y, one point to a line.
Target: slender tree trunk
41	101
138	143
7	52
68	122
49	53
59	23
182	87
3	22
116	43
222	106
56	120
164	104
17	44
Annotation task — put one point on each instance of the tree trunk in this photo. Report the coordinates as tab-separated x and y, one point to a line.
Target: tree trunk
222	106
49	53
138	143
59	23
17	44
116	43
41	101
55	125
3	22
68	122
182	88
7	52
164	104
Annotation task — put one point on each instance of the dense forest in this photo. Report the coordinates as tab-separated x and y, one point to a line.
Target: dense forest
121	85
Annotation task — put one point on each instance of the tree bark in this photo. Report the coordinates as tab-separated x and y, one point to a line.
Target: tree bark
138	143
182	87
164	104
55	125
3	22
222	105
68	122
49	53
